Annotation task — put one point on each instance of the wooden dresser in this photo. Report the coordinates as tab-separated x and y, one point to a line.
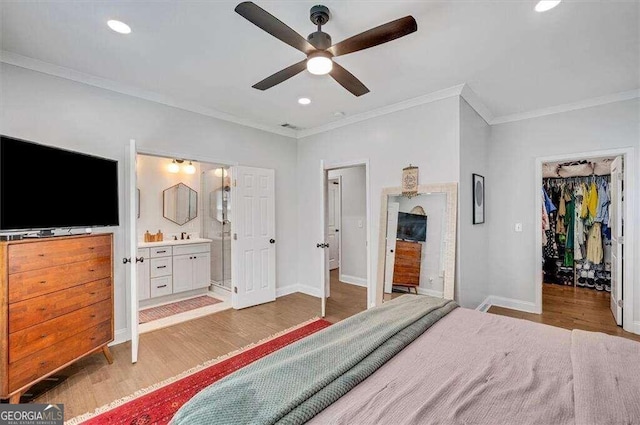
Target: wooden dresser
406	269
56	306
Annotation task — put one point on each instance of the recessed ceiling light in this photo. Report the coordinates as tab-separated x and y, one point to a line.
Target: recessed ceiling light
304	101
544	5
119	27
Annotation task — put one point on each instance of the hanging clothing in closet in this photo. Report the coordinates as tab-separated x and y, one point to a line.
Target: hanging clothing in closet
577	251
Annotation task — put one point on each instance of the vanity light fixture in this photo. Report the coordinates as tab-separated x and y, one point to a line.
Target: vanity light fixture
220	172
173	167
190	169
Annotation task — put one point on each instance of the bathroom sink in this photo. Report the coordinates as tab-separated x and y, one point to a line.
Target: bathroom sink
173	242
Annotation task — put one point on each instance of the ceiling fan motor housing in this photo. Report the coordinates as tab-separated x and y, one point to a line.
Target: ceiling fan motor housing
319	14
320	40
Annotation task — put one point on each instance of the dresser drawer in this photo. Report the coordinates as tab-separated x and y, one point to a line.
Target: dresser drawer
43	335
191	248
30	312
161	286
161	267
41	254
33	367
33	283
160	251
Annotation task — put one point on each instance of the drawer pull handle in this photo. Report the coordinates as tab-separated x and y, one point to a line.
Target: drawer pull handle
42	308
161	267
92	270
92	247
43	336
93	338
93	316
43	363
161	252
43	281
162	286
92	293
41	255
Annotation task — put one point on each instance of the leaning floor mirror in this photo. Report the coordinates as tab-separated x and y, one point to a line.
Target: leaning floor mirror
417	242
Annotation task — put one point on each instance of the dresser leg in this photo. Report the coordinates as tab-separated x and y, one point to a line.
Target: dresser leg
107	354
15	399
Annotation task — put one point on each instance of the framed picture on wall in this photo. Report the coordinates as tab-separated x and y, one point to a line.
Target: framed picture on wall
478	199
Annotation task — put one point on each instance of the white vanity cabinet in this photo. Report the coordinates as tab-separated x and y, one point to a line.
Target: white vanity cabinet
144	285
173	268
191	267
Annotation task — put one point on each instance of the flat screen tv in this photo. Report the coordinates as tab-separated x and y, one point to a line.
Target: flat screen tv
44	188
412	227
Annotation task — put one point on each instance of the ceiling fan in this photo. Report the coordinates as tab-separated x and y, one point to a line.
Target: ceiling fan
317	46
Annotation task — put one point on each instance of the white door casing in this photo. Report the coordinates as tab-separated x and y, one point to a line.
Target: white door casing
617	238
131	246
392	230
253	243
334	222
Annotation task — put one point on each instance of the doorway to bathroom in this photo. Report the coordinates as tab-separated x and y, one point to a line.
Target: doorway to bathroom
183	240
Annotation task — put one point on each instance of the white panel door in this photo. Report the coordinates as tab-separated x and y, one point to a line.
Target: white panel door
392	231
131	245
334	211
617	238
254	232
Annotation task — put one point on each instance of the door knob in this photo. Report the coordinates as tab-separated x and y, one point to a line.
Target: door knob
337	230
139	259
272	241
391	250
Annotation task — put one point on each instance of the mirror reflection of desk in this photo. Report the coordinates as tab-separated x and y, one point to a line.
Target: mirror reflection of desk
406	268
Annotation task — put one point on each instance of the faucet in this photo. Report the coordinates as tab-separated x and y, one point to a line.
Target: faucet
182	235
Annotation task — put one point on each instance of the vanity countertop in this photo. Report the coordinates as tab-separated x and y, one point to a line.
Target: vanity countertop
170	242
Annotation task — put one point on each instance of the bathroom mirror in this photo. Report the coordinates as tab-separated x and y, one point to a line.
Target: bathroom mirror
180	203
417	242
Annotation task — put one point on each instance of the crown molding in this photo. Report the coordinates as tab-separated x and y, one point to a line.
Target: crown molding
400	106
588	103
103	83
474	101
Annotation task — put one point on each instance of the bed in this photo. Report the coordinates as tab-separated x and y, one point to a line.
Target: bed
424	360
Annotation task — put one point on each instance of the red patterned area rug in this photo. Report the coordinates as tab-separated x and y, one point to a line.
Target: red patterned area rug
158	404
161	311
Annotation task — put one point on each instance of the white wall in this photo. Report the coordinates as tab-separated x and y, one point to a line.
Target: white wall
425	136
510	183
353	230
64	113
472	284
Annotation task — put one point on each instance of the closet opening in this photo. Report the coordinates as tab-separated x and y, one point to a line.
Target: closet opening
582	216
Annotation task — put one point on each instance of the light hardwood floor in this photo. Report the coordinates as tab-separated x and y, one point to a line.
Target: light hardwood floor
167	352
572	308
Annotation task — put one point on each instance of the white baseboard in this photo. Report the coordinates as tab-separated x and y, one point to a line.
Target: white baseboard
636	327
310	290
286	290
433	293
353	280
511	303
120	336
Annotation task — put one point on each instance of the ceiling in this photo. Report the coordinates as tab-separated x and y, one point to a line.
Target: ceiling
203	53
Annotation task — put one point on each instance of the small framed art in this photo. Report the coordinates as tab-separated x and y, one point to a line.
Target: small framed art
478	199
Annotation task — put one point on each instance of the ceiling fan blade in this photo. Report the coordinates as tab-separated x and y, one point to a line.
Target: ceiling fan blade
263	19
375	36
348	81
281	76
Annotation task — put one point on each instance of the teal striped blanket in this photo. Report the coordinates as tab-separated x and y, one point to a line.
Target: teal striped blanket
295	383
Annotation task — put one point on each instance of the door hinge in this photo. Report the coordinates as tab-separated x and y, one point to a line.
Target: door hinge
235	183
235	289
620	303
235	236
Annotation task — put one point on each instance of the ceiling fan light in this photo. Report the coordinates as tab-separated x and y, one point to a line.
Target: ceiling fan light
319	63
544	5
